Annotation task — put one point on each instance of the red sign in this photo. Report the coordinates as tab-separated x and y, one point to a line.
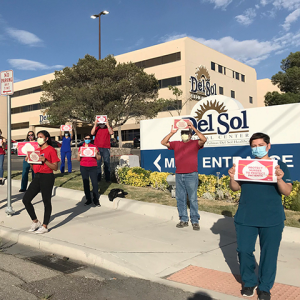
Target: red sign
24	147
66	127
258	170
101	119
88	151
34	157
7	82
181	124
0	142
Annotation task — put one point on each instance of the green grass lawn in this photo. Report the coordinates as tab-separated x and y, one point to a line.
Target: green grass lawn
147	194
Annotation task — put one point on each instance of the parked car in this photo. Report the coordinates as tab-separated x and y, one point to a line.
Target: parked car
114	142
56	144
136	142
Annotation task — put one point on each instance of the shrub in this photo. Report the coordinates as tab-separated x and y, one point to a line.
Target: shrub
158	180
292	201
134	176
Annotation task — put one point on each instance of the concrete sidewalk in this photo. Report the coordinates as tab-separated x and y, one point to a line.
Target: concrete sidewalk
138	239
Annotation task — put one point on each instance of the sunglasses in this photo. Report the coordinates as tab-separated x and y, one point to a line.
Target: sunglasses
30	134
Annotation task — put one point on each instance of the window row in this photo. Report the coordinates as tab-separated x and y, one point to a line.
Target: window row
21	109
232	94
20	125
227	71
163	83
27	91
160	60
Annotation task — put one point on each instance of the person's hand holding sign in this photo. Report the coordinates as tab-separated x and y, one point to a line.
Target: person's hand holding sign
278	172
173	130
234	185
231	171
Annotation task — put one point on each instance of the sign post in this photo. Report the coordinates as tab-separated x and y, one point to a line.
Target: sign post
7	89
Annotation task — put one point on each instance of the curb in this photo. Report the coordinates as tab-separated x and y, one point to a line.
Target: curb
164	212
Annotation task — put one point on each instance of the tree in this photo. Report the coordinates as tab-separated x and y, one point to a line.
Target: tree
92	87
288	82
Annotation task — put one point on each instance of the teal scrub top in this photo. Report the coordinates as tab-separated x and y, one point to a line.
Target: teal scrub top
260	203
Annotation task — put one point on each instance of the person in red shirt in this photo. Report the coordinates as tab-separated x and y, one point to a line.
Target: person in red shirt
186	161
2	153
102	134
43	182
88	169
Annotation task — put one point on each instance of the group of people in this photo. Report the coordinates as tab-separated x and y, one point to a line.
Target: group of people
260	210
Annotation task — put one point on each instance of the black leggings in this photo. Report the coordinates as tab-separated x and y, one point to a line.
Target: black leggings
42	182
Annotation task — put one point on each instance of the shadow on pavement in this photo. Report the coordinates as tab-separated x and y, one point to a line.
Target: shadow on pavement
14	198
200	296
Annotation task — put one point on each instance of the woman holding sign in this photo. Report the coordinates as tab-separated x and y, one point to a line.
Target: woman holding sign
2	153
65	150
43	182
260	213
88	155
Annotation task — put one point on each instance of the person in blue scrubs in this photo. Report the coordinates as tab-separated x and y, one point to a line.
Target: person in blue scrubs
260	213
65	150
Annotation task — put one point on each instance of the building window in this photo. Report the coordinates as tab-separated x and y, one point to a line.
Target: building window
243	77
220	69
21	109
250	99
213	66
20	125
177	105
160	60
128	135
221	91
237	75
163	83
224	71
232	74
24	92
232	94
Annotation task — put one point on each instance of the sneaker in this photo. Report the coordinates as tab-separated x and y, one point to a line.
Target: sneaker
196	226
182	224
97	203
34	226
262	295
42	229
248	291
22	191
88	202
1	182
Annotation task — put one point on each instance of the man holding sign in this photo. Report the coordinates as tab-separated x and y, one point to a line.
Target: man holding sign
186	161
260	213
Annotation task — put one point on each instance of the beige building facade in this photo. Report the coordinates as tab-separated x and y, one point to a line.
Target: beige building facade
194	68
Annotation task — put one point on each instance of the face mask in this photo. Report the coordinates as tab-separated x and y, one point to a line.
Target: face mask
41	141
66	134
185	137
259	152
87	141
102	126
30	137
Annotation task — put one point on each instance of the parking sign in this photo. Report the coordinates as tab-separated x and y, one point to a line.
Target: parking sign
7	80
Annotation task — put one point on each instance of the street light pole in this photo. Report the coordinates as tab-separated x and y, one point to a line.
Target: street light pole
104	12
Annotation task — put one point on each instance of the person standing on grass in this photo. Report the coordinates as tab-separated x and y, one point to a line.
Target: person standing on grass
43	182
2	153
88	169
186	161
102	134
26	166
260	213
65	150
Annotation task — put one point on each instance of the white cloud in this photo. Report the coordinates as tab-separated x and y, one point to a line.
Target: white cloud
287	4
220	3
136	45
30	65
292	17
24	37
247	18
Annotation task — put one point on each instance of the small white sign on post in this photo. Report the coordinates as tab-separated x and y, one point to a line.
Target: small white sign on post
7	82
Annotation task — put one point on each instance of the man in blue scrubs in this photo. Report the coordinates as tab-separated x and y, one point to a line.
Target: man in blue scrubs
260	213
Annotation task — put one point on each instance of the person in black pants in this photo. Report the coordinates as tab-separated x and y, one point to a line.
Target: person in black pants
43	182
88	169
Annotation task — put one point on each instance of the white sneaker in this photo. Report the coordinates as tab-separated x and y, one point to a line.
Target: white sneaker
34	226
42	229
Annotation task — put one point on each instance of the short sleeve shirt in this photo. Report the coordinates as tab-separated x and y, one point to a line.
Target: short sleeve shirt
260	203
186	155
2	151
50	155
88	161
102	137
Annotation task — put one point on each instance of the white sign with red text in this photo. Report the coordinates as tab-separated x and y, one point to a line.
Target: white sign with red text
33	157
7	82
181	123
88	151
66	127
24	147
101	119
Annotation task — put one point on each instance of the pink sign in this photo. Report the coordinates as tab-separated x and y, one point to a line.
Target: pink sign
66	127
0	142
88	151
33	157
101	119
24	147
258	170
181	124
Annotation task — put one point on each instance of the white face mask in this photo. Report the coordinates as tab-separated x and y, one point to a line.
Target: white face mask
185	137
41	141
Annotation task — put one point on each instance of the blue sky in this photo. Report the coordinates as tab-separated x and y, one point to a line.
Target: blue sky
40	36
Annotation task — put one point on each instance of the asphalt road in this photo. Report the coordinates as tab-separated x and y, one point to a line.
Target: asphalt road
23	279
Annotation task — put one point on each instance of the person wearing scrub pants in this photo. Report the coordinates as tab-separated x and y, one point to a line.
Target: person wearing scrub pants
65	150
260	213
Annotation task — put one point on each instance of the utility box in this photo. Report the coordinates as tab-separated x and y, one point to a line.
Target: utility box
129	161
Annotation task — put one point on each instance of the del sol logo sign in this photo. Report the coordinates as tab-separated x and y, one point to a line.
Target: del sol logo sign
201	85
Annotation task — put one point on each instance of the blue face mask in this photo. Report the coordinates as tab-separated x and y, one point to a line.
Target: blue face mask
259	152
87	141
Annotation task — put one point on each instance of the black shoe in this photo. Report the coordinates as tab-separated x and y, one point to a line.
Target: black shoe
248	291
262	295
22	191
196	226
88	202
182	224
1	182
97	203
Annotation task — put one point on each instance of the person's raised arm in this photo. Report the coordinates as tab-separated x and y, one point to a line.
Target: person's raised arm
165	141
202	138
93	131
234	185
60	134
109	128
284	187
